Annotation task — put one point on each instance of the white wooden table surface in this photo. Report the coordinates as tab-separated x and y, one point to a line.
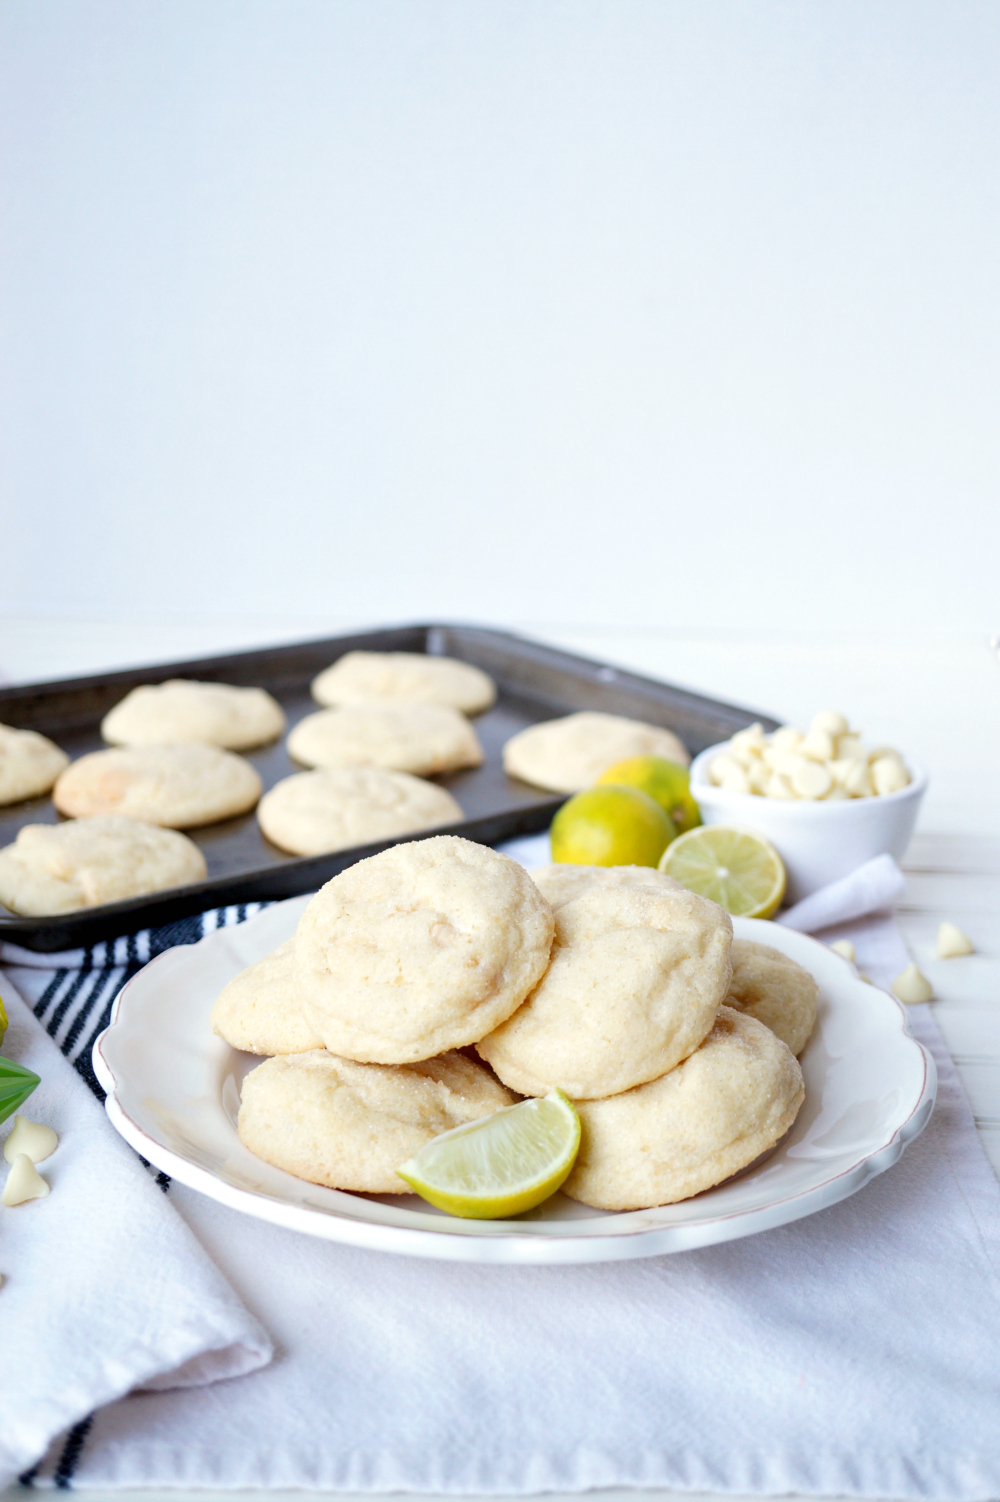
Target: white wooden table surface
936	696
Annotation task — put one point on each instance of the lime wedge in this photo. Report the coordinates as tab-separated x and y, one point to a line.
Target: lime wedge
737	868
500	1166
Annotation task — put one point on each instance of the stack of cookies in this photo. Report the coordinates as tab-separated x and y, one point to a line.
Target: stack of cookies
438	982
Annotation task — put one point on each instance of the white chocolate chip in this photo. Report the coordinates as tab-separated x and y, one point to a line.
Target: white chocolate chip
879	751
748	743
951	941
831	721
811	780
836	795
24	1182
787	763
778	787
912	986
39	1142
817	745
889	775
727	773
759	776
857	781
786	739
844	948
850	746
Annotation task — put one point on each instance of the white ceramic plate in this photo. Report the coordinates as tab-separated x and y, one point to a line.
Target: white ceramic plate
173	1093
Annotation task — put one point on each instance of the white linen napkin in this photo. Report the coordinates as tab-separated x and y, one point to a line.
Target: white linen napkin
105	1288
851	1353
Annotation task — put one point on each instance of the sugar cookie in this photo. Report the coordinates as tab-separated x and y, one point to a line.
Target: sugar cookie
569	754
634	984
183	709
563	883
768	985
177	786
419	738
260	1011
425	947
734	1098
315	813
61	868
350	1126
361	677
29	764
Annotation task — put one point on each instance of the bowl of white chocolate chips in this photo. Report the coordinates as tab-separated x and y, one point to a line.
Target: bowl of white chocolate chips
826	799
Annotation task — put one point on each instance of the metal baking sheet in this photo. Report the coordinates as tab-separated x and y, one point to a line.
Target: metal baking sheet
535	683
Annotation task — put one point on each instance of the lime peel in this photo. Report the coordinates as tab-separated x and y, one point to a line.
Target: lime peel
500	1166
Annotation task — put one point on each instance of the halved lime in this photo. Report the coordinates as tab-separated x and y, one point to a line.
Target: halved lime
500	1166
737	868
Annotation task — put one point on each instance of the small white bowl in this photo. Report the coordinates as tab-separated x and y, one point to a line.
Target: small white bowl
818	842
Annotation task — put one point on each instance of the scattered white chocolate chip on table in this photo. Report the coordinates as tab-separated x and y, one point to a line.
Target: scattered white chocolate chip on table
827	763
844	948
951	941
24	1183
912	986
38	1142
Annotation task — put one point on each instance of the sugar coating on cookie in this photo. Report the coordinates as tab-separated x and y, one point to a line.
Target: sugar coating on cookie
560	884
350	1126
29	764
423	739
635	981
183	709
260	1010
361	677
569	754
61	868
768	985
315	813
177	786
425	947
732	1100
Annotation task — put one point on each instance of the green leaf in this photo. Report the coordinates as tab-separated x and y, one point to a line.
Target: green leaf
16	1084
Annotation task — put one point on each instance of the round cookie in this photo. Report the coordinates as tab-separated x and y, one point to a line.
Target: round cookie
315	813
734	1098
419	738
634	984
349	1125
364	677
560	884
425	947
260	1010
61	868
183	709
177	786
29	764
570	754
767	985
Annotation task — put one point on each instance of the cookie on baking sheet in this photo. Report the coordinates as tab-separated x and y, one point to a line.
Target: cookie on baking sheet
364	677
419	738
768	985
61	868
350	1126
569	754
29	764
425	947
560	884
177	786
260	1010
636	978
734	1098
183	709
315	813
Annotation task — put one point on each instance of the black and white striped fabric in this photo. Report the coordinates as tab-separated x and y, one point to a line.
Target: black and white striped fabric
72	993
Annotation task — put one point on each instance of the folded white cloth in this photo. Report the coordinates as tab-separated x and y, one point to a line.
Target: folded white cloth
851	1353
105	1288
875	887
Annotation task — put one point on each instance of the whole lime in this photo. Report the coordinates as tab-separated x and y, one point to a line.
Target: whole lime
666	781
611	826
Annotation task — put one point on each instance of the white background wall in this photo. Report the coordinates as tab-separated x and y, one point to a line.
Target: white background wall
651	313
